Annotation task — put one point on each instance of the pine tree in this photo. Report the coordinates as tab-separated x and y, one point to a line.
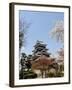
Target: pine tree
22	65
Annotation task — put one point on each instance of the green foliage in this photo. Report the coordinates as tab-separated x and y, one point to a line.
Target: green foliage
28	65
59	74
23	59
29	57
21	74
50	74
62	67
25	64
27	75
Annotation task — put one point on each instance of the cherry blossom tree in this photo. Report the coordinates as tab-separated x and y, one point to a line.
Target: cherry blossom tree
58	34
61	54
58	31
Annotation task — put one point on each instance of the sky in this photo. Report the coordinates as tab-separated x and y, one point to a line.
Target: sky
41	24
